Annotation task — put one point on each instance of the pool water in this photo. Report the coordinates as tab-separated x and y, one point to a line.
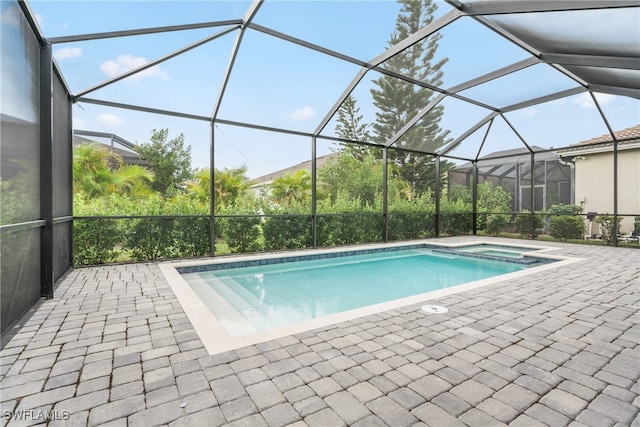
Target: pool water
249	299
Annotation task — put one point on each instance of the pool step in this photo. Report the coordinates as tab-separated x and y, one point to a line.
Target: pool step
524	260
260	314
214	298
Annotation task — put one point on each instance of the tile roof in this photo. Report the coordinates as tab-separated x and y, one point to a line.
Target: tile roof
627	135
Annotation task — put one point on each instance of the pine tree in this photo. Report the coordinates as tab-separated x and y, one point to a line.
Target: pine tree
350	127
398	101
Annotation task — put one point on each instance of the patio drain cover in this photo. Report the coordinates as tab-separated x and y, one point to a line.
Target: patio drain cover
435	309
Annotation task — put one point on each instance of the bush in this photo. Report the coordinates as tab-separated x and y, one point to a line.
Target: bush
607	229
191	236
150	238
496	222
456	216
348	221
95	241
527	224
565	223
287	230
242	232
411	219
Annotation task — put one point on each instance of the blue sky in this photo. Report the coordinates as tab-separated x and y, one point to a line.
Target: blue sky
279	84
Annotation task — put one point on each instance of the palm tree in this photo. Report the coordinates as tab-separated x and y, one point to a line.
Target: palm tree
133	180
98	171
291	187
230	185
199	185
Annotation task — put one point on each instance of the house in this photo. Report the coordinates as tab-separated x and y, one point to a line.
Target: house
264	181
116	144
511	170
594	172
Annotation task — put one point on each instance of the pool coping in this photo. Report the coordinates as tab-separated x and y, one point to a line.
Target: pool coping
216	339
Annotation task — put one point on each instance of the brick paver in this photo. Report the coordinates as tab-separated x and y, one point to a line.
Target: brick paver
559	347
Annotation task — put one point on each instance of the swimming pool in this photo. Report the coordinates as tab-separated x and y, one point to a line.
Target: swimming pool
257	298
247	299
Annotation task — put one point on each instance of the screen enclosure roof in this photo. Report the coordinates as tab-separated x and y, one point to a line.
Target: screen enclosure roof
539	75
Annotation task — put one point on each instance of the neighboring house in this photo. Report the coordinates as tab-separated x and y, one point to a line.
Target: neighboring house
116	144
594	170
511	170
264	181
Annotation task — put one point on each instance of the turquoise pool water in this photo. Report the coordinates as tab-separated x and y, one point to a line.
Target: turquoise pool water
250	299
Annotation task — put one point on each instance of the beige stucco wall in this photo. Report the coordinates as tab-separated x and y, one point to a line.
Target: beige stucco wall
594	185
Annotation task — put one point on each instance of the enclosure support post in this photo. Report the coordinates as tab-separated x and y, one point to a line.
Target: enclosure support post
533	197
615	193
437	196
385	193
46	171
474	195
314	188
212	218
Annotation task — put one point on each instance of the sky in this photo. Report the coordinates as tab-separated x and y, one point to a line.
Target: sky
283	85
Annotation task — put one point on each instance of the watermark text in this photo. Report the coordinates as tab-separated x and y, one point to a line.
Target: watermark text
36	415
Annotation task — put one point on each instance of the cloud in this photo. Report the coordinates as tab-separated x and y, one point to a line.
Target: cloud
529	112
40	19
124	63
67	53
78	123
301	114
109	120
584	100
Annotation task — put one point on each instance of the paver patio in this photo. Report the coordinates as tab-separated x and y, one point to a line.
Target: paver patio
559	347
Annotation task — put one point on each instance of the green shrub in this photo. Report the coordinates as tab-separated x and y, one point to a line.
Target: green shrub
411	219
242	233
95	241
527	224
348	221
496	222
287	230
491	200
607	229
241	227
565	223
150	238
191	236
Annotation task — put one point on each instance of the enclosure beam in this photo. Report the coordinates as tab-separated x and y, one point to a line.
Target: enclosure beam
308	45
248	17
385	194
616	90
533	195
212	191
46	171
418	36
141	31
624	62
496	7
543	99
437	196
474	198
143	109
415	119
314	188
468	133
336	106
156	62
614	138
501	72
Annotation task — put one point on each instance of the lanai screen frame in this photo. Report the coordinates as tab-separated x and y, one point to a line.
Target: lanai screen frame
479	11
